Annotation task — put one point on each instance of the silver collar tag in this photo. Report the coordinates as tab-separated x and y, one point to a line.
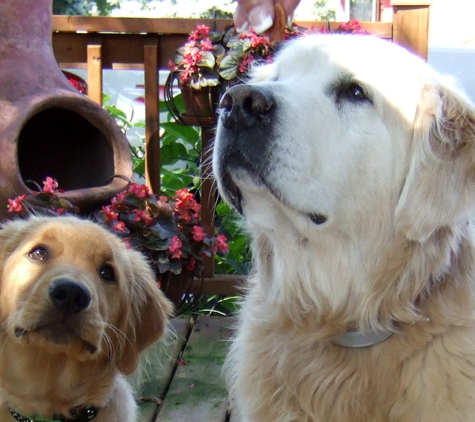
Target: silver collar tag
354	338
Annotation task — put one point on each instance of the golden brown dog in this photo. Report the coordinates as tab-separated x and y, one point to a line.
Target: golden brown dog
77	308
353	164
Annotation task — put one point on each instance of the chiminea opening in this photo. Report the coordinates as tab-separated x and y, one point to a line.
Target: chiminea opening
62	144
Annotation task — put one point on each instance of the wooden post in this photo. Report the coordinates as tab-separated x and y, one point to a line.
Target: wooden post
411	25
208	191
94	68
152	122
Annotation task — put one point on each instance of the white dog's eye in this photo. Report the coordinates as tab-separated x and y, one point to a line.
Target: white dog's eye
38	253
107	273
355	92
346	90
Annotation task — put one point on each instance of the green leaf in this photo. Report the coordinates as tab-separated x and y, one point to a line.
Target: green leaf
139	166
208	59
156	244
171	181
187	133
228	68
164	229
219	51
173	152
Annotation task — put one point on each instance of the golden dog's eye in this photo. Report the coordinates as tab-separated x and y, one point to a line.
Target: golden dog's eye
107	273
38	253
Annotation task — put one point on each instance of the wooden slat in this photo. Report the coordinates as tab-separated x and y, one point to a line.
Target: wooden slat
174	26
119	51
163	361
220	284
133	25
197	392
94	68
152	124
379	29
411	28
411	2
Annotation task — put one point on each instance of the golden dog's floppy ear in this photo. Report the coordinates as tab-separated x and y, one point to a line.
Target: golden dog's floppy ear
439	190
148	313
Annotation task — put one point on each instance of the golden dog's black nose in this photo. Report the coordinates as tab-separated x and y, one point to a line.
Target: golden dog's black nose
245	106
69	296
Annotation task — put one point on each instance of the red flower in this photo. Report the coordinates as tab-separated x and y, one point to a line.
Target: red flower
50	185
141	215
141	191
191	264
198	233
110	214
16	204
185	205
119	226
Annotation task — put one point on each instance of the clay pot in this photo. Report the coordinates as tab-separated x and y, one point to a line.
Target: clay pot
47	128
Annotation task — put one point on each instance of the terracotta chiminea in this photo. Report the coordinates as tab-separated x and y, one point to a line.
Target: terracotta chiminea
47	128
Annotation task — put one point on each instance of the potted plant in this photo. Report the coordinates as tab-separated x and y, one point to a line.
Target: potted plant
196	69
242	50
165	229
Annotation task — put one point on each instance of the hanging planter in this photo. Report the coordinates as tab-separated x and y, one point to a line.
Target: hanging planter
195	72
200	104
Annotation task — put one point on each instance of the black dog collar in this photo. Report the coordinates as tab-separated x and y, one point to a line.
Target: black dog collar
80	414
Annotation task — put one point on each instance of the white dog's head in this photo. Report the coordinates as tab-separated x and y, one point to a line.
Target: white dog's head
340	153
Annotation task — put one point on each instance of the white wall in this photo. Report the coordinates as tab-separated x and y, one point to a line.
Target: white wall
452	41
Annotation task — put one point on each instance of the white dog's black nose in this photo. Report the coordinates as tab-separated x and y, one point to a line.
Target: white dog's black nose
245	106
69	296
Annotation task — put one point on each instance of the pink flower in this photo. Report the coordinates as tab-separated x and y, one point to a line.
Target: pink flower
50	185
174	247
222	244
245	62
203	30
119	198
207	45
16	204
198	233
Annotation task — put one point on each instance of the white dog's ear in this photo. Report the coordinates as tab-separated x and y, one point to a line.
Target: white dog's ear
439	189
148	314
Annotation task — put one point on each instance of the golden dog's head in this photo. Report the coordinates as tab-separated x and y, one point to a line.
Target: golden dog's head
69	286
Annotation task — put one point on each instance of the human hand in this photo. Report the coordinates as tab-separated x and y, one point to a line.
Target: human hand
260	14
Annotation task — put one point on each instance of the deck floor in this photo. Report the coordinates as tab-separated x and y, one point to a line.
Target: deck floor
185	381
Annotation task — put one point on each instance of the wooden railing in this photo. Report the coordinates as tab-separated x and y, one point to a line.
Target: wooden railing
97	43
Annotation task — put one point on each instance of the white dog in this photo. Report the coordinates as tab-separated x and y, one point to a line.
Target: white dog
353	164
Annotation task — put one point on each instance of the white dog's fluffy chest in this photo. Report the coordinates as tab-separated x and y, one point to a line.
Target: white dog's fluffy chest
282	374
